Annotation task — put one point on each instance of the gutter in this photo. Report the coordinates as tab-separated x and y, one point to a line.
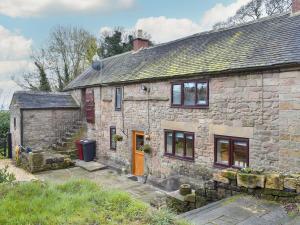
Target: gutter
21	126
185	76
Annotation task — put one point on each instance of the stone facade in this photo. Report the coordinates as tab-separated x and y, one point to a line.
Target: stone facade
41	127
264	107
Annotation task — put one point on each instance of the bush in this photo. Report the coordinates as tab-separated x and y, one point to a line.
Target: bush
5	176
4	122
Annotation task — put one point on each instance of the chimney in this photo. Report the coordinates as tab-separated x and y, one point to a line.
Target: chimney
296	6
140	42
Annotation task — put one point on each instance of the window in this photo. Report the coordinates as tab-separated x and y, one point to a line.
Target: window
179	144
192	94
118	99
89	105
15	123
231	151
113	144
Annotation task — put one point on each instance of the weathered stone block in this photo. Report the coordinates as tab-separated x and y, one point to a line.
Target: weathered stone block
274	181
221	193
200	201
250	180
190	198
200	192
219	178
291	183
229	173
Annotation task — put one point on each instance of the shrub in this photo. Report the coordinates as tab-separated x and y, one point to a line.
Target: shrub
5	176
145	148
4	122
117	138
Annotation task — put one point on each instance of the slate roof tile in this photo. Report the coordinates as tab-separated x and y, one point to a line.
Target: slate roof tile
43	100
264	43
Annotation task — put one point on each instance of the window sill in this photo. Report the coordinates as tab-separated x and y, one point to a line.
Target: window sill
222	166
190	107
179	158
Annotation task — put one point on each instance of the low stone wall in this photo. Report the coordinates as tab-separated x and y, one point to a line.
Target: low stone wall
270	186
226	183
41	161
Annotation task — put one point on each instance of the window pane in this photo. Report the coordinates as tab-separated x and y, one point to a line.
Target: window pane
202	93
240	153
179	144
189	93
118	98
139	141
176	94
112	133
169	142
223	151
189	145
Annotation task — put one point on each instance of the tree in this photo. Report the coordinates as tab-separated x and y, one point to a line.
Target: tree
44	82
67	54
254	10
4	122
118	41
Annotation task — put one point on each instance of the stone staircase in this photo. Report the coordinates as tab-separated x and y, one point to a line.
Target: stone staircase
65	145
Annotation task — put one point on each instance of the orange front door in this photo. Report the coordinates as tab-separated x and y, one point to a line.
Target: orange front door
138	156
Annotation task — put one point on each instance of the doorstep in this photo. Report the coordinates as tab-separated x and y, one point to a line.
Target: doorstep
90	166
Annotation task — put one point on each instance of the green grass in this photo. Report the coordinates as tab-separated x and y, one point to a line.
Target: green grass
72	203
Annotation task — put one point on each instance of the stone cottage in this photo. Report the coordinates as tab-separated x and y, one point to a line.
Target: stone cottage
226	98
38	120
218	99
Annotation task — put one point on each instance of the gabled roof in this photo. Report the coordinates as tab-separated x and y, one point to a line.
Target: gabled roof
43	100
269	42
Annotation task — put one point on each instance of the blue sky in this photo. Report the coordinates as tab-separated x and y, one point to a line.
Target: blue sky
25	24
37	28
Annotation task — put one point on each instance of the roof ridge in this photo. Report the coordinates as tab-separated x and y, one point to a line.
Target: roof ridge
41	93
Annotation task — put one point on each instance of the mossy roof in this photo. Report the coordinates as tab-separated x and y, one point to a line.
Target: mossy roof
267	42
43	100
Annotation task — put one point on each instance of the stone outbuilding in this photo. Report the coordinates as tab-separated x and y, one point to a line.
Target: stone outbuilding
38	120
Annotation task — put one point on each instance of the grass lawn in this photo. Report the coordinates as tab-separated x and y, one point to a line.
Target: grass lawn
75	202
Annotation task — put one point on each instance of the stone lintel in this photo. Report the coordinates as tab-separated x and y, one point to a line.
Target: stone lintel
244	132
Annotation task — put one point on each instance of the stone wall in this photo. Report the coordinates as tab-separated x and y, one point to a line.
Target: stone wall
42	128
266	185
15	114
262	107
41	161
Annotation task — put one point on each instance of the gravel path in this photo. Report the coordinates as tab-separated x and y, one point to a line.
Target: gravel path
21	175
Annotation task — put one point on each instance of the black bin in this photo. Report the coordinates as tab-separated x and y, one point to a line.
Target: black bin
89	150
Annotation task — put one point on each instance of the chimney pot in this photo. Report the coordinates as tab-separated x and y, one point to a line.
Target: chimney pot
140	42
296	6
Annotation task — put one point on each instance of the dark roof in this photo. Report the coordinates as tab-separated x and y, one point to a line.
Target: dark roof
264	43
43	100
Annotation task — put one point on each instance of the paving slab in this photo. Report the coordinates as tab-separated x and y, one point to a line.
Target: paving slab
240	210
90	166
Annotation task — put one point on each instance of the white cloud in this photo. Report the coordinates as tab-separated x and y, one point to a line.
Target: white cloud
13	45
14	54
7	88
220	12
29	8
164	29
14	61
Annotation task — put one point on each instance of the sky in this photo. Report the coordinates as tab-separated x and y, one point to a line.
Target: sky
25	25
